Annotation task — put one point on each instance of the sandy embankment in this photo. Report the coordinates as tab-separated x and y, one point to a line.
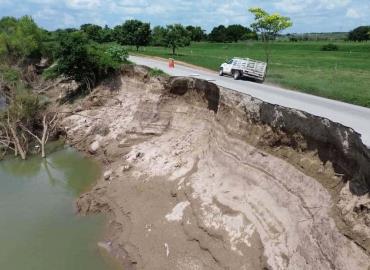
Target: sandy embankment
198	177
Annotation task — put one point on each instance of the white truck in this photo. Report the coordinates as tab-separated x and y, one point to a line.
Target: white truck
244	67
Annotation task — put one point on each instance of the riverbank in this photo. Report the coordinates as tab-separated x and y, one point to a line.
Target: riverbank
198	177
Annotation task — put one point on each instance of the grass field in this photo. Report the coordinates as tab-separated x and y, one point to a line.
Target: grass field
342	75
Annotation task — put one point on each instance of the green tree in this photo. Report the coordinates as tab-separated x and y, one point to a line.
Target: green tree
361	33
196	33
20	38
134	33
87	62
177	36
107	34
158	36
235	32
218	34
250	36
73	58
268	26
97	33
93	32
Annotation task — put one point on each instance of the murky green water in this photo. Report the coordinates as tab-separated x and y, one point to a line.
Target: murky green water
38	226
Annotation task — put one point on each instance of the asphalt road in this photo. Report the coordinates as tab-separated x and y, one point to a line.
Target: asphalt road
349	115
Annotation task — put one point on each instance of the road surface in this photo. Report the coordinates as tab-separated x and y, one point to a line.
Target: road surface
349	115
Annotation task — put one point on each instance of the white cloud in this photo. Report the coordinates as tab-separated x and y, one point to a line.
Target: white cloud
331	4
84	4
46	13
291	6
69	20
353	13
297	6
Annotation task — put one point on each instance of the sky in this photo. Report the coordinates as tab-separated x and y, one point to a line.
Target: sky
307	15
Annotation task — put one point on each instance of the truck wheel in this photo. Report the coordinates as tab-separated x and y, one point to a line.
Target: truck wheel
236	75
221	72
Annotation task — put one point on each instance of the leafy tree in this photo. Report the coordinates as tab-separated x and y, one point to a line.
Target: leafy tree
107	34
73	58
86	62
218	34
176	36
8	25
269	26
196	33
249	36
98	33
235	32
134	33
361	33
93	31
159	36
20	38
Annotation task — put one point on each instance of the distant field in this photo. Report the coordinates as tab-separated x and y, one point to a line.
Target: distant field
343	75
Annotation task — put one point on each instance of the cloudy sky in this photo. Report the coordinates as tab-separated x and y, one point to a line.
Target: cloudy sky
307	15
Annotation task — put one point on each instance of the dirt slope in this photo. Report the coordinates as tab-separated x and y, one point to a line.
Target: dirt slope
198	177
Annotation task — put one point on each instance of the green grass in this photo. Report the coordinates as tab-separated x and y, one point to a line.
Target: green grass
156	72
342	75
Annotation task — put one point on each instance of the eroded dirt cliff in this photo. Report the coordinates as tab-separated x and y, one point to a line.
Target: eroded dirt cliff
200	177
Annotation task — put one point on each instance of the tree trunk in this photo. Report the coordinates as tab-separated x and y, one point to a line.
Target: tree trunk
137	48
17	144
173	50
44	136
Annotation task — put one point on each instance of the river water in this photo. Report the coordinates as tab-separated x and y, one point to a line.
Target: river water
38	226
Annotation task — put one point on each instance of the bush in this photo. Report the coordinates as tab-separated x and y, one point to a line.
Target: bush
85	61
361	33
156	72
50	73
330	47
9	75
118	53
20	38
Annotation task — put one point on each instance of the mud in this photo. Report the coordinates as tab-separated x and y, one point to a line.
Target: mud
200	177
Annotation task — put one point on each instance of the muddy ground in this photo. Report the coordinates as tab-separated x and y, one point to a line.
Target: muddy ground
198	177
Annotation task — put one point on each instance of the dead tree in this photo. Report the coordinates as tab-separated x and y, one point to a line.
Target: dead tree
48	127
16	136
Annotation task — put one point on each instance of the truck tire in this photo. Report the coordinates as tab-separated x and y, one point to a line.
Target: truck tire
262	80
236	75
221	72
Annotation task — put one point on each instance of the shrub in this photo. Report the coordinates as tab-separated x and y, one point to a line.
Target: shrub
51	72
9	75
20	38
86	61
156	72
330	47
361	33
118	53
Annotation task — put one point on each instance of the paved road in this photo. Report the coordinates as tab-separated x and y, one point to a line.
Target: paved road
349	115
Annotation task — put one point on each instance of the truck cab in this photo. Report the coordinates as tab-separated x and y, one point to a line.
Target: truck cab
226	68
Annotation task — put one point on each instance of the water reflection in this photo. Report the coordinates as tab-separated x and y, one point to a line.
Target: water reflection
38	226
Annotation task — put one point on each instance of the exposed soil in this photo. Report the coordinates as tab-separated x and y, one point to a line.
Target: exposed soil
200	177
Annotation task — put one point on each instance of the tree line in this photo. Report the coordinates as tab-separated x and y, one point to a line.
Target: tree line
137	33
